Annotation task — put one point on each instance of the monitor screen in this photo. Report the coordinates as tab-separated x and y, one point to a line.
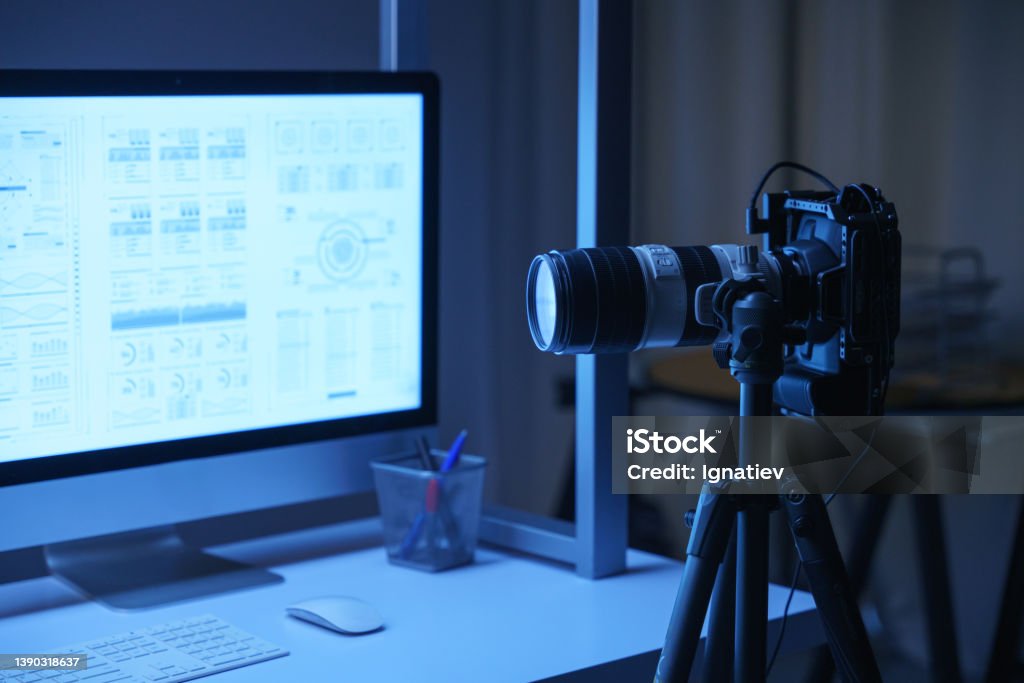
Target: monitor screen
179	266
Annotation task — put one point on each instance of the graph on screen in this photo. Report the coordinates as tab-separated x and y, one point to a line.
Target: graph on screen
173	267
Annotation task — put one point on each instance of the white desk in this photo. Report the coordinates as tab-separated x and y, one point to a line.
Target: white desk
505	618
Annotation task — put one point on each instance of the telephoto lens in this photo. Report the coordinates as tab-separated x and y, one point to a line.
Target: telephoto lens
618	299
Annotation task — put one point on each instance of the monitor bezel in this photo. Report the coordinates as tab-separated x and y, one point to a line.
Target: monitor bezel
65	83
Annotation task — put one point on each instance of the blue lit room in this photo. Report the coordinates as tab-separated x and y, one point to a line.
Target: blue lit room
452	341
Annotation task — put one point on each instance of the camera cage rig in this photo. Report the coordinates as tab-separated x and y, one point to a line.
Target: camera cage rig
842	324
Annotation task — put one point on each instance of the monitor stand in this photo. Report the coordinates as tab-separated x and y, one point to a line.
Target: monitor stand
147	568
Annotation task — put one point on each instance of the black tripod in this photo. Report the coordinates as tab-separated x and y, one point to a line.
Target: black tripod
738	614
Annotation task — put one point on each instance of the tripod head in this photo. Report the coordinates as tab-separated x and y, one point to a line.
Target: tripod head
750	319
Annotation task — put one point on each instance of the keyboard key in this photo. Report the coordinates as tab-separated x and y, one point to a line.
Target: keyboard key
104	677
94	671
225	659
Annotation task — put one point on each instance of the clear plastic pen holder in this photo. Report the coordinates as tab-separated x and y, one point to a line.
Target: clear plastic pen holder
431	521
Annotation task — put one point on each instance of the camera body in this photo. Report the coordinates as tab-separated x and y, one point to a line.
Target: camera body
833	262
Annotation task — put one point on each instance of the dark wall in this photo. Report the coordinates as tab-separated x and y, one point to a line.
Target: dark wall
189	34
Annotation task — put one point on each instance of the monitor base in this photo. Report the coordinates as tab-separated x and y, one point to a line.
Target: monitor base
148	568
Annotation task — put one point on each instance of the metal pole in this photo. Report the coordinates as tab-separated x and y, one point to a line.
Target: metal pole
602	215
944	661
721	640
403	35
752	542
1005	658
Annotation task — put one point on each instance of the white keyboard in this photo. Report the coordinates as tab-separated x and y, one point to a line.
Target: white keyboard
170	653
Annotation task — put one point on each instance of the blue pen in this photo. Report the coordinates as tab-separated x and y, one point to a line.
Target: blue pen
452	459
433	494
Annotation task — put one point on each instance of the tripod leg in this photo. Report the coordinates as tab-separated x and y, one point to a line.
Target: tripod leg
868	526
1006	648
752	541
833	596
712	528
945	664
719	647
751	590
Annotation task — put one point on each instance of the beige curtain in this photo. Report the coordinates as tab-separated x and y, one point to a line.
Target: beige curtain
923	99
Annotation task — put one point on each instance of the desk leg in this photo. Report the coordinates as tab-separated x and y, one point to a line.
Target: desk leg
1003	663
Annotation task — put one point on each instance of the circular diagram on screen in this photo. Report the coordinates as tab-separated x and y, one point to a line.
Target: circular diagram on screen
342	251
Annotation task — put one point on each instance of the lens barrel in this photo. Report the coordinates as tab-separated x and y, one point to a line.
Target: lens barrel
616	299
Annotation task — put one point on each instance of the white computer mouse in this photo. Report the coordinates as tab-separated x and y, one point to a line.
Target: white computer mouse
339	613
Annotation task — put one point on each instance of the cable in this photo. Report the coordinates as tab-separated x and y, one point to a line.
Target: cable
800	564
790	164
785	615
853	466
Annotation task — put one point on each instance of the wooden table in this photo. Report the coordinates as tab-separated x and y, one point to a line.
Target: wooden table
692	373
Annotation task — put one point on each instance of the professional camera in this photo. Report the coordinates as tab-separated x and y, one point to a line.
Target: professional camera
830	261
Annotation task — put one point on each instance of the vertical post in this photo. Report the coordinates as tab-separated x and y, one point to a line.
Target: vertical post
403	35
944	660
602	218
750	655
1004	659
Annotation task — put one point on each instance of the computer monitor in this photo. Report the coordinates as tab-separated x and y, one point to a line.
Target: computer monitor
217	294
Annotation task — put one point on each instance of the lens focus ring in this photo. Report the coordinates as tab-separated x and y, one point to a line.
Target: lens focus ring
620	288
700	267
